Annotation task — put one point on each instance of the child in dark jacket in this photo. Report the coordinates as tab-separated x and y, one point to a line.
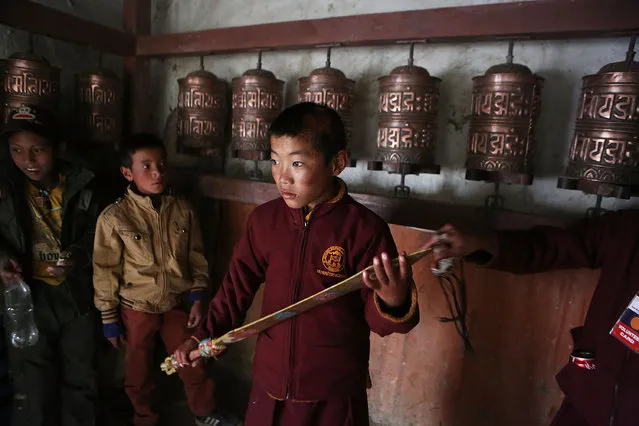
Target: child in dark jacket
313	368
49	208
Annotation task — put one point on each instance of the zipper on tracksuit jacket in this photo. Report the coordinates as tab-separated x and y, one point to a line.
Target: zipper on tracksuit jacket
161	280
613	412
296	289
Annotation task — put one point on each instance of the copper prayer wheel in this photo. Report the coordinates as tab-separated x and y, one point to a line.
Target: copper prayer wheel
257	100
330	86
202	112
604	152
30	80
407	121
99	106
505	107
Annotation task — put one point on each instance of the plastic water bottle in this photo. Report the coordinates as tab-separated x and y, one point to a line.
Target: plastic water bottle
19	313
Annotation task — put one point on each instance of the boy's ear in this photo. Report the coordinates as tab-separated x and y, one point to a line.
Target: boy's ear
339	162
126	172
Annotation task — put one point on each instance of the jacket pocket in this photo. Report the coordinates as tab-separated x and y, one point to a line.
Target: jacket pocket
179	240
138	246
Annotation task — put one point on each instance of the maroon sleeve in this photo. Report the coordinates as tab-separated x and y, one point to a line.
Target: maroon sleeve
380	320
227	310
543	249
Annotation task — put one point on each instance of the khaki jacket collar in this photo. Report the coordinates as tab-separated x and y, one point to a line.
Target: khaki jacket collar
145	201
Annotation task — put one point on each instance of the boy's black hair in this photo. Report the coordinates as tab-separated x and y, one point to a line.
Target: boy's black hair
324	124
135	142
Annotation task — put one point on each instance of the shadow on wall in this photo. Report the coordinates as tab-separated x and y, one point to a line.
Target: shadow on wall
364	141
555	126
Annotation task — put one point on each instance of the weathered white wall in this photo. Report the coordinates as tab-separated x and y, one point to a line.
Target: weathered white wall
561	63
71	58
105	12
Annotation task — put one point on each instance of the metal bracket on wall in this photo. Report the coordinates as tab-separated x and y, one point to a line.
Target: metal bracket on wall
495	201
401	190
256	173
597	210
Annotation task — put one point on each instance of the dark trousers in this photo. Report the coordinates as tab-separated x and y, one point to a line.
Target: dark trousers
568	416
141	331
54	381
263	410
6	389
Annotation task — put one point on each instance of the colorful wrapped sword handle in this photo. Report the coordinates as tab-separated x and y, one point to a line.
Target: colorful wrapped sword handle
207	348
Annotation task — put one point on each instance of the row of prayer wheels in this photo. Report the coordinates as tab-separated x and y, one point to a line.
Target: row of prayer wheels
257	99
506	103
29	79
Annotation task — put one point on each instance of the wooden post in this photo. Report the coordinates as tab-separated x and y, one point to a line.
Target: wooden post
137	21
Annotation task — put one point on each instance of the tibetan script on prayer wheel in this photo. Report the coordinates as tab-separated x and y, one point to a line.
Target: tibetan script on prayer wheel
407	122
604	152
505	107
329	86
202	112
257	100
99	106
30	80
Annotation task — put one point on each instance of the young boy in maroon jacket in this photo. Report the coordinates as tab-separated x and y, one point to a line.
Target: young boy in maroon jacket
311	370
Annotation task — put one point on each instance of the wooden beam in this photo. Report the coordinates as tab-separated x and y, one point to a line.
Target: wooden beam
540	19
38	19
411	212
136	15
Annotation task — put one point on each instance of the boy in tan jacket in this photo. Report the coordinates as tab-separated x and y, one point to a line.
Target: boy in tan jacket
148	266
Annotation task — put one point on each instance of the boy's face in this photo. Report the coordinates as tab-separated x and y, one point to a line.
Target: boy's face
148	170
300	171
33	155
